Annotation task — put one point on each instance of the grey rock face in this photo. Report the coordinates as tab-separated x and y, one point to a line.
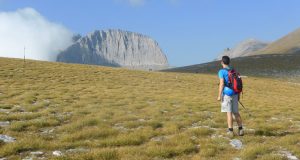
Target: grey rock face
243	49
116	48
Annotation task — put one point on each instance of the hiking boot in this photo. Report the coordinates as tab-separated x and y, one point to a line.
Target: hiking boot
241	132
230	134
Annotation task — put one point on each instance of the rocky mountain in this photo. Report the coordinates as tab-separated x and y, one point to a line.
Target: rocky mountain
288	44
244	48
285	45
116	48
278	59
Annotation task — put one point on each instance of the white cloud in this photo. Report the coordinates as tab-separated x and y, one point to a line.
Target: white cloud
26	27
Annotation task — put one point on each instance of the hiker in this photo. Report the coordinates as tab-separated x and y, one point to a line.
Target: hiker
229	95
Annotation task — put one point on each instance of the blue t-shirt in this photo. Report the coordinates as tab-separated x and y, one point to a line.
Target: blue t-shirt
223	74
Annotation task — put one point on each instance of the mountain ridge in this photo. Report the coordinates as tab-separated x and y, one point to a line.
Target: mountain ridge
244	48
117	48
288	44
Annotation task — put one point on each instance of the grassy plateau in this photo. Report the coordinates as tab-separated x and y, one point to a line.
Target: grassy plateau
92	112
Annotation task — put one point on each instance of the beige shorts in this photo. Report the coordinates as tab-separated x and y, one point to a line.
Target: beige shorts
230	104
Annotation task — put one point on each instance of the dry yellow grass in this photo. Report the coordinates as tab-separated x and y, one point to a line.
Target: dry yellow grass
111	113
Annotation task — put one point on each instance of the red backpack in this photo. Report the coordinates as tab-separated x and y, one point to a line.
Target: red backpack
235	81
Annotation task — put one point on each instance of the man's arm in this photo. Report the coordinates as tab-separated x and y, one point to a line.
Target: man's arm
221	87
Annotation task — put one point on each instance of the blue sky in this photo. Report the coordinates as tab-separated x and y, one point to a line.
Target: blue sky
188	31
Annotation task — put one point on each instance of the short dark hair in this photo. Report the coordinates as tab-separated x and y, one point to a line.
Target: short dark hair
226	60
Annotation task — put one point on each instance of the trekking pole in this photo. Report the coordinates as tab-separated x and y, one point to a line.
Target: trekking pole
245	108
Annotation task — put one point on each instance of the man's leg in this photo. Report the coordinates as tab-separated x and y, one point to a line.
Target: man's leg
230	125
240	123
235	110
237	115
226	107
238	119
229	120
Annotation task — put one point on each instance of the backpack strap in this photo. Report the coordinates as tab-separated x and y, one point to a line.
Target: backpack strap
226	85
228	70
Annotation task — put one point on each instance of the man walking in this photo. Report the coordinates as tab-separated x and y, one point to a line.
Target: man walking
228	97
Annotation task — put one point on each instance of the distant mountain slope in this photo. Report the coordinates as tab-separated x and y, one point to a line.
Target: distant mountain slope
287	44
245	48
116	48
276	65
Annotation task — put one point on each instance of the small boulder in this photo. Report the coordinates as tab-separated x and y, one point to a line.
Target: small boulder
4	124
7	139
57	153
237	144
77	150
289	155
7	111
37	153
158	138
